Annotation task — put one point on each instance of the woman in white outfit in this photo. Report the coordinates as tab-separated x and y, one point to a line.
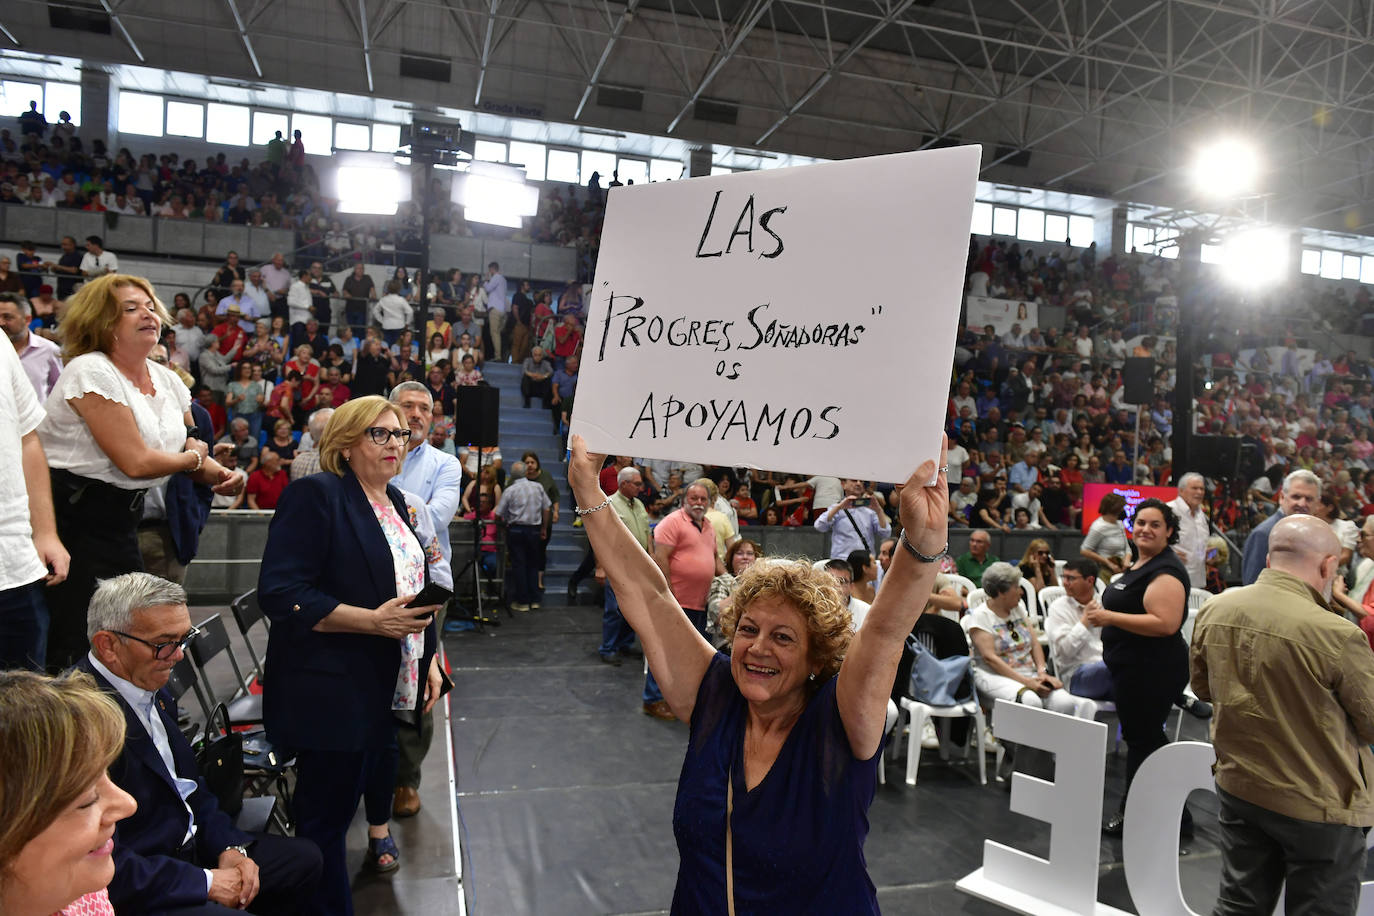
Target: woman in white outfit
1008	663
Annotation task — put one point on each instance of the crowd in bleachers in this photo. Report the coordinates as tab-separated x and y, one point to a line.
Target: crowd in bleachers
52	167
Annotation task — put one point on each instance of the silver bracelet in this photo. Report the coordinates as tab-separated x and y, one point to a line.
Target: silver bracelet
917	554
579	512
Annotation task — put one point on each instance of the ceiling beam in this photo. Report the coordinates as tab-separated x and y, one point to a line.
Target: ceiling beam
855	46
248	42
9	36
749	17
492	7
366	34
626	17
129	39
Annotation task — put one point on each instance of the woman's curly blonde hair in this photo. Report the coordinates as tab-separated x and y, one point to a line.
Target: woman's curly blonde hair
812	592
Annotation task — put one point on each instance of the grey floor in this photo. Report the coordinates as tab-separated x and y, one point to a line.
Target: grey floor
566	791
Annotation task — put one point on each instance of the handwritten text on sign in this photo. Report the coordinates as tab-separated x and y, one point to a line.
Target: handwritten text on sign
754	318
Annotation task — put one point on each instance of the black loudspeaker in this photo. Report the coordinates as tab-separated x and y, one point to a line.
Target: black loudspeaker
478	416
1217	457
1140	379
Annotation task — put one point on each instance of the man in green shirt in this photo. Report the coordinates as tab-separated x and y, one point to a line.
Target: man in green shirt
617	637
973	564
276	150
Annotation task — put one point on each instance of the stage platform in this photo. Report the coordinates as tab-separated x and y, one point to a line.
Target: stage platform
566	792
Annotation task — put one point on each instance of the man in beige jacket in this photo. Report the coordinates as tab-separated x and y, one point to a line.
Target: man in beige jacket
1293	684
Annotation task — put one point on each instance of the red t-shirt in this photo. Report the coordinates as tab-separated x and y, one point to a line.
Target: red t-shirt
267	489
610	479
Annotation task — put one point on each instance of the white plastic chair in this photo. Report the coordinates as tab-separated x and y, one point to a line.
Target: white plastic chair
965	583
1196	597
976	598
919	712
1028	598
1049	595
893	716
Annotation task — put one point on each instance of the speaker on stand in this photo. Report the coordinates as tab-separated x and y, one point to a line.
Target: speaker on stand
1139	382
477	424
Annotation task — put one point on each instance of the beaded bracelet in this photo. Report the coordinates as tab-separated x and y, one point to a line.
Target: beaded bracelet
579	511
917	554
200	461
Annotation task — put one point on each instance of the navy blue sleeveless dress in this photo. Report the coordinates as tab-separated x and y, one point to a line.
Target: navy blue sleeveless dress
798	835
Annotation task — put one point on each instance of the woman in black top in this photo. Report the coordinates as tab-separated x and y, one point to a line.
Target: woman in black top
1142	615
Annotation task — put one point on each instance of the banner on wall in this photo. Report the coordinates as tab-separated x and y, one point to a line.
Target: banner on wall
1134	495
743	319
1002	314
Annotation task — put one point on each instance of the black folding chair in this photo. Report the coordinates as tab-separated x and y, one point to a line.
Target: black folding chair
245	707
248	614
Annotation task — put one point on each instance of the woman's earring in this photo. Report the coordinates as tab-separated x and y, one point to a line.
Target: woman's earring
811	676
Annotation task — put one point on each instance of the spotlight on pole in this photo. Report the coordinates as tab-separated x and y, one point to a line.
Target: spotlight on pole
1226	168
495	194
370	183
1256	257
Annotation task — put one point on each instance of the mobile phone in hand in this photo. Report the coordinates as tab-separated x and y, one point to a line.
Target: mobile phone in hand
431	594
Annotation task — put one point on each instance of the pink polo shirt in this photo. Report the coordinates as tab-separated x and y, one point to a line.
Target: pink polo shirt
692	564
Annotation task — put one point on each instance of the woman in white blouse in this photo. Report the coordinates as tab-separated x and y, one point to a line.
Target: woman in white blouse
117	424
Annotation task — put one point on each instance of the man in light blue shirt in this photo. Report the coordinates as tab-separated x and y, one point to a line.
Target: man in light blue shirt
497	305
248	307
856	522
427	472
1022	474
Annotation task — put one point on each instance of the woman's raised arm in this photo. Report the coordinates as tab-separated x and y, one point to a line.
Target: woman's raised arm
677	653
866	676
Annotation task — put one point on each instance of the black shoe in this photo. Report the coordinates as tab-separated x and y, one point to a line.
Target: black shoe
631	652
609	659
572	594
1115	825
1194	707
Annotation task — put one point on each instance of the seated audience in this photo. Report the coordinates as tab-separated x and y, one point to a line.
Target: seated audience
179	851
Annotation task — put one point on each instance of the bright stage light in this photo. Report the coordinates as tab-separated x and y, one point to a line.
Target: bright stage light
1226	168
495	194
370	183
1256	257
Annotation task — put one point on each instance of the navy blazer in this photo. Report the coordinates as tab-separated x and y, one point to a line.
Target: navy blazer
329	691
148	877
188	503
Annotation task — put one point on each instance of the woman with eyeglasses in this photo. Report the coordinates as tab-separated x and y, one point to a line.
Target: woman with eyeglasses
1008	663
348	655
117	424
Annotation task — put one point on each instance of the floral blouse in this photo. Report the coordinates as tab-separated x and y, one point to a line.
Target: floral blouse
408	562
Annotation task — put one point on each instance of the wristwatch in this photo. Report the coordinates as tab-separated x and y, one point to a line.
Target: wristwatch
241	850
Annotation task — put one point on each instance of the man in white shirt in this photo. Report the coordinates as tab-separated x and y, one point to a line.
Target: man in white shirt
97	260
257	291
1077	646
178	851
28	528
844	578
277	278
1193	529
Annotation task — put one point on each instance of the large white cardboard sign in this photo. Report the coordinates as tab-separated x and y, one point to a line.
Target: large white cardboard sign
797	319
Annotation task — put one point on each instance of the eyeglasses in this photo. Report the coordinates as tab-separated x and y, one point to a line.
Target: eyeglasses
163	650
380	434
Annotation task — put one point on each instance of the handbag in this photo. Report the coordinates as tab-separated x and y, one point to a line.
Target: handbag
220	758
939	681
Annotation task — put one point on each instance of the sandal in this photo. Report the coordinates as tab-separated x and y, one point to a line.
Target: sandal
382	846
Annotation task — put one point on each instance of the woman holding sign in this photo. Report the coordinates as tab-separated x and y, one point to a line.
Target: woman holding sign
785	731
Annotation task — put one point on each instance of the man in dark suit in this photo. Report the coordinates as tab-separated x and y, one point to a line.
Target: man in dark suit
179	853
